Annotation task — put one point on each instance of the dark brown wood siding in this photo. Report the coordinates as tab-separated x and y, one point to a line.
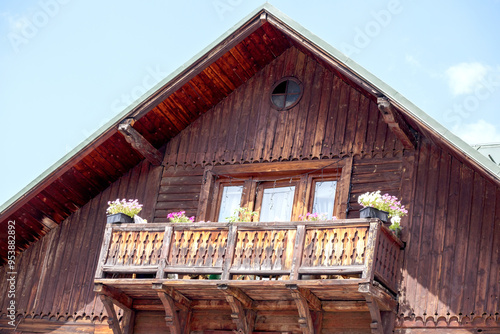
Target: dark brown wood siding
179	191
332	119
452	256
56	275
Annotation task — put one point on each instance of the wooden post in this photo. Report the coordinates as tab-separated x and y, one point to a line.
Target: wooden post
104	251
231	244
165	248
298	250
371	245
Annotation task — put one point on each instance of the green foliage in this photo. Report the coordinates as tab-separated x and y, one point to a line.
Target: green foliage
242	215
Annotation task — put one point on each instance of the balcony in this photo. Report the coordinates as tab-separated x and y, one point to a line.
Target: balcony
313	266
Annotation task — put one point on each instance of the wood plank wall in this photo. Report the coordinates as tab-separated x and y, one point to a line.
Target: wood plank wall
451	267
56	275
331	120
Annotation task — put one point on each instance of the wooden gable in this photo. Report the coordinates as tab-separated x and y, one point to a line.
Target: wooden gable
216	119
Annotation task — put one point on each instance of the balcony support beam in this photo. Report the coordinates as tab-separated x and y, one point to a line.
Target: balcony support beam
110	297
307	301
241	306
177	309
382	308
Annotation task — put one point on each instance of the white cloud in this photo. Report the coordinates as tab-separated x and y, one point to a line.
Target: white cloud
480	132
465	77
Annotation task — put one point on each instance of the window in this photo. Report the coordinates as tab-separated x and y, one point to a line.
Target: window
278	194
324	197
230	201
286	93
276	204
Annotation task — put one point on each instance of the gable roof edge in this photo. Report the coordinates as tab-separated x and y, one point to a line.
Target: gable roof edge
394	96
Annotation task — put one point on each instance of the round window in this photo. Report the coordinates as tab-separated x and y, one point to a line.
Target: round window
286	93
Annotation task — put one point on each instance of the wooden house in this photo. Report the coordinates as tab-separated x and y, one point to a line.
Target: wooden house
271	118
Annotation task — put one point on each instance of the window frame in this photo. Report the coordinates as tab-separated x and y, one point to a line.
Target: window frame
303	174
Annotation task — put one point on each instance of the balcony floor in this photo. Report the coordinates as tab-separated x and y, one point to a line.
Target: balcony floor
334	294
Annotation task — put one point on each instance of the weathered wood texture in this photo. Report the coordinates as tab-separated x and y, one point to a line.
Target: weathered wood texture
55	276
134	248
198	248
179	191
451	267
341	246
331	120
330	247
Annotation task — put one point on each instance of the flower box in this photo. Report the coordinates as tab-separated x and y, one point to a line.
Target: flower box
119	218
370	212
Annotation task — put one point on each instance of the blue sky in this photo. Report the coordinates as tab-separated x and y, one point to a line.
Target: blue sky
69	66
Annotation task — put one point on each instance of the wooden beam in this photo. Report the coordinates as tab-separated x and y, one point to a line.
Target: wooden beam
246	301
181	301
171	316
110	297
397	124
139	143
119	298
113	322
313	301
276	167
305	318
242	314
382	308
177	321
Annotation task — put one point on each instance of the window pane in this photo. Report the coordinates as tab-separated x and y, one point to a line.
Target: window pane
293	87
277	204
324	198
231	198
279	100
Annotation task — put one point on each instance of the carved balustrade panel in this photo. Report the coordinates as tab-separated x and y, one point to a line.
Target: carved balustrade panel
198	248
386	264
264	250
338	246
134	248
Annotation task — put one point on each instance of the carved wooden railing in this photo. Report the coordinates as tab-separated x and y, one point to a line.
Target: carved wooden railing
291	250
